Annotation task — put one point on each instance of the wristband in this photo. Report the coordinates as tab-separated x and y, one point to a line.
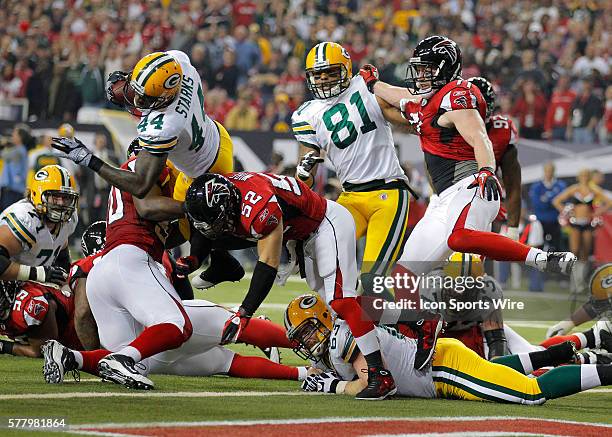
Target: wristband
95	163
25	273
341	387
6	347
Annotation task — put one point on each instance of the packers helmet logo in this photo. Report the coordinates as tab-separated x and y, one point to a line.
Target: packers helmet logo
345	53
172	81
41	175
601	282
308	302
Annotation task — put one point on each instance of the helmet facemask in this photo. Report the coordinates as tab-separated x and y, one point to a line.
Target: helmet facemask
423	77
310	339
59	212
337	81
214	211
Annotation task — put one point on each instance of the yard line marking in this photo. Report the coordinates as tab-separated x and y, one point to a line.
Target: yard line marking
324	420
149	394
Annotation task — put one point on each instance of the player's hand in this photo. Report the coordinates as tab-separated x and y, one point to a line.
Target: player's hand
369	73
307	164
53	274
234	326
324	383
186	265
73	149
113	78
561	328
487	183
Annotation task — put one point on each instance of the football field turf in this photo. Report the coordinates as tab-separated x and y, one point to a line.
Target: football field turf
104	407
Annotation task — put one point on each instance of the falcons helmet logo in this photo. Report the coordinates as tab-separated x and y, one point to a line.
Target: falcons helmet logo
447	46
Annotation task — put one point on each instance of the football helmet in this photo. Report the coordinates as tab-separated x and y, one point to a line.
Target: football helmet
436	61
8	291
156	81
309	324
65	130
212	204
334	61
488	93
94	237
600	287
53	192
464	264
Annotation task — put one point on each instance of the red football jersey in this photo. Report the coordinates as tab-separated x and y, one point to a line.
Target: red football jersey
446	152
31	308
125	226
502	133
266	198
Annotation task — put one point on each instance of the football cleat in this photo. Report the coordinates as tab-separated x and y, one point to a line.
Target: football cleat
58	360
596	356
121	369
223	267
557	262
603	335
427	335
380	385
562	353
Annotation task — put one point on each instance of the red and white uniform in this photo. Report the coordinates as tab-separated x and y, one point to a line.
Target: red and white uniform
326	228
502	133
31	307
127	288
452	167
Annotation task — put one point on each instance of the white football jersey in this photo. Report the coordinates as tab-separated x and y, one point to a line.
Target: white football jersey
431	292
40	246
183	130
352	130
398	354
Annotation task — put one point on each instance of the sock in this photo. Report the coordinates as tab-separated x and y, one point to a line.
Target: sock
489	244
604	373
374	359
257	367
579	340
567	380
90	360
156	339
264	334
363	330
519	362
131	352
78	357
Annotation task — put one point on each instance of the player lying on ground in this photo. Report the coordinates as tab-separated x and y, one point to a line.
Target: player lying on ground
34	231
448	113
456	371
32	313
272	209
165	90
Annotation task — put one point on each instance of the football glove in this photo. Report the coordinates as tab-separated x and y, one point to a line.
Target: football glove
186	265
52	274
324	383
561	328
73	149
307	164
369	73
234	325
113	78
487	183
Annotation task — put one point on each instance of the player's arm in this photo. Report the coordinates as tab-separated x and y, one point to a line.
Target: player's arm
511	175
393	95
84	322
138	182
493	331
156	207
394	116
309	161
329	382
562	197
10	246
471	127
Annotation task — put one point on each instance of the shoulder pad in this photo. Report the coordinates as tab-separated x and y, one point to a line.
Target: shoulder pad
23	221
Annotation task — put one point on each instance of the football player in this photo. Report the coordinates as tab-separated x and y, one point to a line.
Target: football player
503	136
456	372
448	114
272	209
34	231
32	313
347	123
165	90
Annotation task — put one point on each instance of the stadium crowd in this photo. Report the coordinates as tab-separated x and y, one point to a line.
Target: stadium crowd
548	60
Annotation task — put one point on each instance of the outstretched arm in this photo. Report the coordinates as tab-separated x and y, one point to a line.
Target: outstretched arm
393	94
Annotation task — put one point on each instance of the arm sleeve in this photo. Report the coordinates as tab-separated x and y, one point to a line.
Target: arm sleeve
22	226
266	219
303	131
461	98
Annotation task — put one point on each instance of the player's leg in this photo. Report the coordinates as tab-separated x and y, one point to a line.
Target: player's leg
470	219
333	252
518	344
526	363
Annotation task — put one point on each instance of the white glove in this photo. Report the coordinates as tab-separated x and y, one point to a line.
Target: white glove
282	274
512	233
561	328
307	164
73	149
324	383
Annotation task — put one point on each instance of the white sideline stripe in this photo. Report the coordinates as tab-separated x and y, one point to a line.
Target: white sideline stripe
322	420
469	434
149	394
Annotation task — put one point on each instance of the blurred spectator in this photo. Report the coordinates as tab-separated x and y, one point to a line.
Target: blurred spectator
532	234
99	190
606	135
586	112
92	82
541	195
15	166
243	116
530	108
558	111
247	51
591	62
218	104
268	76
10	83
228	74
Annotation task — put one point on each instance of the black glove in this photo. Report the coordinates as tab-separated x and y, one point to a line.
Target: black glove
323	382
186	265
55	275
487	183
306	165
76	151
234	326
